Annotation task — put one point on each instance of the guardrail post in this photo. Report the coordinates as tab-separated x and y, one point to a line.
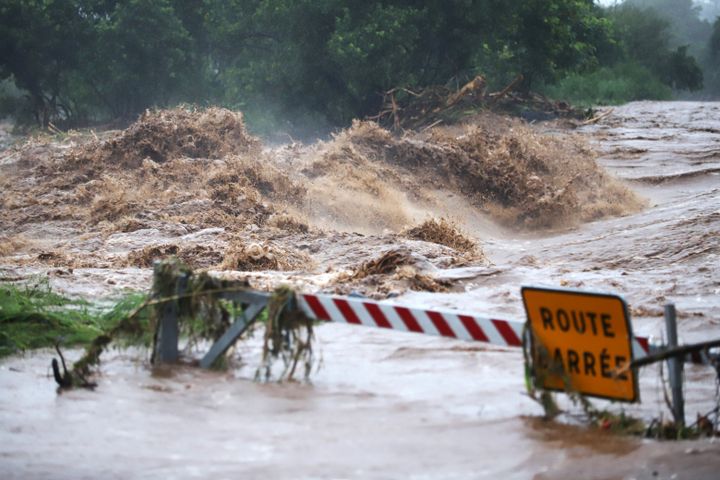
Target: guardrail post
166	344
674	366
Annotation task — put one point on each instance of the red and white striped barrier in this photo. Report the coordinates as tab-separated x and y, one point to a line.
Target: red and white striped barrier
443	323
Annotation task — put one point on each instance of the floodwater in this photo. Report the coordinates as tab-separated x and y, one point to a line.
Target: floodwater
394	405
669	152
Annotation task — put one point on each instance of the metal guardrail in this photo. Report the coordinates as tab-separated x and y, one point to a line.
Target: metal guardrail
387	315
370	313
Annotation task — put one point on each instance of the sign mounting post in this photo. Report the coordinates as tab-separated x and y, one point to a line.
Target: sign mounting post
579	340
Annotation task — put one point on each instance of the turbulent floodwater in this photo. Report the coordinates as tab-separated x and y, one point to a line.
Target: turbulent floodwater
393	405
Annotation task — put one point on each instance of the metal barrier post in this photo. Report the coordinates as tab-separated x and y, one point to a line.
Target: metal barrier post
249	314
675	366
166	344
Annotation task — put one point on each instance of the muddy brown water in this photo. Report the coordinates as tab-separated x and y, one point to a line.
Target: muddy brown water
393	405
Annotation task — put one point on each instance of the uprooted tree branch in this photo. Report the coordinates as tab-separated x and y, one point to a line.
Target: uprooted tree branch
405	109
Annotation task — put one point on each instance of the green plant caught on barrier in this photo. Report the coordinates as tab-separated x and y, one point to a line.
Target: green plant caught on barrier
203	315
33	316
288	336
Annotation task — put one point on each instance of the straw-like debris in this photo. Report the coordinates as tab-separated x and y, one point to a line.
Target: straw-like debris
517	175
194	256
387	263
203	315
444	232
392	273
9	245
178	167
253	256
288	224
437	104
421	282
162	135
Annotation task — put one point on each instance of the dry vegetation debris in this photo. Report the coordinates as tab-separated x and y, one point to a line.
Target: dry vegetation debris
522	178
445	232
194	256
253	256
392	272
163	135
9	245
387	263
180	171
438	104
198	168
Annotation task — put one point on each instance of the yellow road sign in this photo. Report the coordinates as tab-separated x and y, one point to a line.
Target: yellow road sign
581	338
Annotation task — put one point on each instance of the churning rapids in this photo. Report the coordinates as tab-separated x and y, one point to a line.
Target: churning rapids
394	405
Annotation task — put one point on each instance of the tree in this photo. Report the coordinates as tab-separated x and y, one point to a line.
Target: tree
545	38
714	42
683	16
40	42
337	57
78	57
139	57
681	71
83	60
646	40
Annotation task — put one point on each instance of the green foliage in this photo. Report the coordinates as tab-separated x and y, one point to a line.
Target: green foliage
610	86
139	57
642	33
78	58
641	63
373	49
681	71
329	60
130	304
687	60
336	58
13	103
548	39
683	17
318	63
33	316
40	41
647	40
288	336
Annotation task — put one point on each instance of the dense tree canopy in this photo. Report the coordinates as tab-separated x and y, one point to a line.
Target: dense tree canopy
647	40
683	17
88	60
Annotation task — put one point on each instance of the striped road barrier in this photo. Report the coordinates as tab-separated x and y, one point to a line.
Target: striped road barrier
442	323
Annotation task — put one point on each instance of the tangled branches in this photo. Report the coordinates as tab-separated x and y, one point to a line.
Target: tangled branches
288	336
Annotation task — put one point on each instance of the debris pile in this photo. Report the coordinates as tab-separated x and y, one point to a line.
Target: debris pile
195	185
203	314
246	257
194	256
178	167
391	273
163	135
389	262
444	232
288	336
520	177
405	109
